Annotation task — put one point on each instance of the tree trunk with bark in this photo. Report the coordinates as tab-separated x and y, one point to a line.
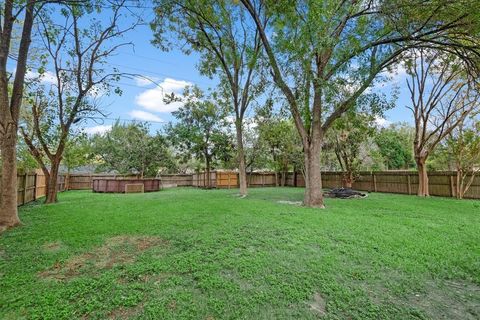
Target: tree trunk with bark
242	167
313	177
10	106
423	190
207	169
52	186
348	179
8	200
464	182
459	186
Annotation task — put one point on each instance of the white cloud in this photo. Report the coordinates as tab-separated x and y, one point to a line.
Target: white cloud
46	78
145	81
152	99
144	116
382	122
101	129
397	75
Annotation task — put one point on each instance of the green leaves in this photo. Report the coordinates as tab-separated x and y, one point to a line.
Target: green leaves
201	130
131	149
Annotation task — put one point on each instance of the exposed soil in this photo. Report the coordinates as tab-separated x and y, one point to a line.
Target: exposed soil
125	313
295	203
318	305
440	299
448	300
52	246
118	250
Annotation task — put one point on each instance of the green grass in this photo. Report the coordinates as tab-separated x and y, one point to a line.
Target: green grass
211	255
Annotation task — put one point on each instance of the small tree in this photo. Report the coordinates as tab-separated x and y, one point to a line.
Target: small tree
77	50
130	149
282	142
348	135
78	152
229	48
200	130
442	95
395	146
463	144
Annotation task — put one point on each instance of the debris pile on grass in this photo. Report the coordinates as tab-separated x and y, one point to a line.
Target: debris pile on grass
344	193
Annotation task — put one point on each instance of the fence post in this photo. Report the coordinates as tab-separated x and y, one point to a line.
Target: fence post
452	188
409	184
374	182
24	192
35	187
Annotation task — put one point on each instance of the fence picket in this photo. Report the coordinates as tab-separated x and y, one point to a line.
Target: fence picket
405	182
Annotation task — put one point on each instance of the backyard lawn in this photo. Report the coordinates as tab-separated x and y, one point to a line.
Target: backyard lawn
207	254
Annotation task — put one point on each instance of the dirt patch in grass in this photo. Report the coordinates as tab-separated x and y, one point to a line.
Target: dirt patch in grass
448	300
52	246
125	313
318	304
440	299
172	305
293	203
154	279
118	250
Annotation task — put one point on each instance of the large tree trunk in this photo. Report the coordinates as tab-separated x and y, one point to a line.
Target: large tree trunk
207	169
52	182
422	177
284	177
242	167
459	183
313	178
9	111
348	179
8	200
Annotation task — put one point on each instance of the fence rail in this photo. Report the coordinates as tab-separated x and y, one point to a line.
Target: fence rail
442	183
32	186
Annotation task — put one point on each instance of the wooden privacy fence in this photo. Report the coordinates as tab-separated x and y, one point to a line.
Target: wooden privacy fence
84	181
218	179
404	182
442	183
32	186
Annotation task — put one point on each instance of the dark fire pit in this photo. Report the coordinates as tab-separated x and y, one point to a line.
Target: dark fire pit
344	193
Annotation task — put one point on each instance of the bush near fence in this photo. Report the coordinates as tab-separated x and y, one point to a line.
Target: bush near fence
31	186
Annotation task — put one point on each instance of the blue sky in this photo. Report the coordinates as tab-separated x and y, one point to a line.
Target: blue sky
173	70
141	99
